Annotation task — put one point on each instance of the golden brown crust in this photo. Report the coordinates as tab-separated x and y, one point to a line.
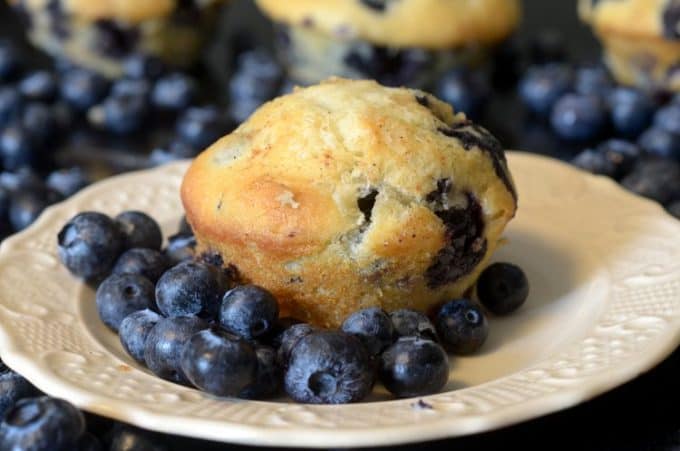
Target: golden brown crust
403	23
278	198
642	18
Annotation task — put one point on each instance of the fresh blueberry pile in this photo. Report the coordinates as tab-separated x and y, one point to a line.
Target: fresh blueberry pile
190	321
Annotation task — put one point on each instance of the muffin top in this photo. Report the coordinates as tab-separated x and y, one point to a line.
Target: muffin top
288	179
644	18
402	23
132	11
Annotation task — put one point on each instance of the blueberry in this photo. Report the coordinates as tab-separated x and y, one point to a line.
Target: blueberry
9	60
593	80
579	117
465	91
39	85
184	227
17	147
13	387
122	294
68	181
673	209
164	345
174	91
668	118
372	326
180	248
139	230
138	66
248	311
502	288
38	121
268	375
411	323
657	179
26	206
201	126
190	288
257	78
23	179
289	339
39	424
462	326
123	437
89	244
131	87
82	89
657	141
10	104
89	442
630	110
219	363
548	46
122	114
273	338
175	150
542	86
134	330
149	263
414	367
328	367
621	154
595	162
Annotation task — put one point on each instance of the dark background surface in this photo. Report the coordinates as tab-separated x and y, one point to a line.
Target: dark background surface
640	415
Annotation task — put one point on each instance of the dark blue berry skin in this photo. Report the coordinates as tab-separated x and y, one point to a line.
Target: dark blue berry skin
38	121
10	104
289	339
273	338
134	330
138	66
149	263
674	209
594	162
502	288
82	89
89	442
256	79
542	86
219	363
548	46
668	118
411	323
139	230
23	179
131	87
165	343
630	110
657	179
414	367
26	206
175	92
175	150
660	142
593	80
462	326
13	387
578	117
373	327
68	181
119	295
89	244
614	158
39	85
17	148
201	126
248	311
328	367
465	91
9	60
180	248
268	375
121	114
184	227
39	424
190	288
123	437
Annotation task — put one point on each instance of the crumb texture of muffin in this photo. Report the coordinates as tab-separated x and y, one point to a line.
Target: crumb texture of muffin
348	194
641	39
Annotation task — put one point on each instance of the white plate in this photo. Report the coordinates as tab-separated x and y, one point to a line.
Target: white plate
604	269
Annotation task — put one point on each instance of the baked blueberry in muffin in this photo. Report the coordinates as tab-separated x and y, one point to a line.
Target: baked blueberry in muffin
349	195
397	42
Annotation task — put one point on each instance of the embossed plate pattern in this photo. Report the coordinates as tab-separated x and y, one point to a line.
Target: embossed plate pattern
604	267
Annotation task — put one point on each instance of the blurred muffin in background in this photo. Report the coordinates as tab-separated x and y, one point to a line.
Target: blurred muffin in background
641	39
397	42
100	34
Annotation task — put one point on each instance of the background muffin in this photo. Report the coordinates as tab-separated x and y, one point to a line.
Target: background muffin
397	42
349	194
100	34
641	39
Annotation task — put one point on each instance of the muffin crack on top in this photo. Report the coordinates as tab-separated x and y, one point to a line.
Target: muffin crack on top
353	191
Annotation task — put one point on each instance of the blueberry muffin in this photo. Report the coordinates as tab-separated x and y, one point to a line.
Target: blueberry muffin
397	42
99	34
641	39
349	194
